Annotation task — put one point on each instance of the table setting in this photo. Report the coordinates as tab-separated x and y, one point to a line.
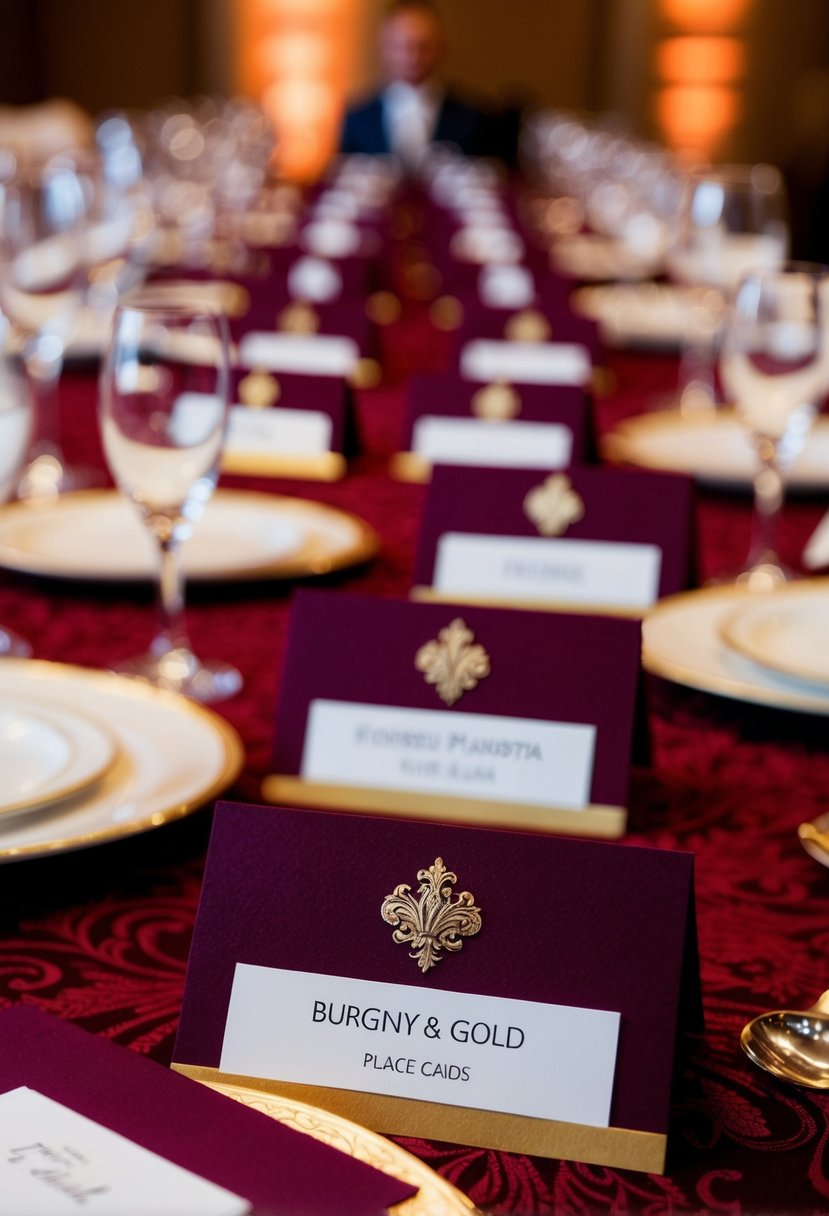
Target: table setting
321	734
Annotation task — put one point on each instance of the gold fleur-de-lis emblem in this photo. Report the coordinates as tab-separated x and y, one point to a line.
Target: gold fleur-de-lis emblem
300	317
554	505
454	662
497	402
434	922
528	326
259	389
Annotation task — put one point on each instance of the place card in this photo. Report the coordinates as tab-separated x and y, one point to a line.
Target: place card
532	324
89	1126
310	353
454	421
276	311
462	713
526	362
588	539
390	973
289	425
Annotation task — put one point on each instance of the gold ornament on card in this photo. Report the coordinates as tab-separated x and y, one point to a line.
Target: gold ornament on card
259	389
497	402
299	317
554	505
528	326
434	922
454	662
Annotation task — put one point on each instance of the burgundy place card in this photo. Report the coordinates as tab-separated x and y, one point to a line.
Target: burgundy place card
86	1125
450	420
501	989
530	324
288	425
457	713
590	539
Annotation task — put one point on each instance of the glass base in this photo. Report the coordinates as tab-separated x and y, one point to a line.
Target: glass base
13	646
765	576
179	670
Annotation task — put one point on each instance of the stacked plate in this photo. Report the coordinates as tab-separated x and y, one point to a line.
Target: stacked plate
87	757
770	649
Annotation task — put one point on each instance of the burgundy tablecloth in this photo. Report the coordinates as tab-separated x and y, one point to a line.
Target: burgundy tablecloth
101	937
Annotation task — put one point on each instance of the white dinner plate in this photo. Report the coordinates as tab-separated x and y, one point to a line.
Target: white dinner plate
713	447
592	256
173	756
96	534
682	641
650	315
787	632
48	753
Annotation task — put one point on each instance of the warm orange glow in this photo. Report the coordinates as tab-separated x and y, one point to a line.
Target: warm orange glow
705	16
697	117
295	57
701	60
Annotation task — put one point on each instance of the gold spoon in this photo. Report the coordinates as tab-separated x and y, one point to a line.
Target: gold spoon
792	1044
815	839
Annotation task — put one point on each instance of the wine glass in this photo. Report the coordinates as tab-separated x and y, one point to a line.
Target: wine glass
163	414
15	435
775	364
42	281
733	219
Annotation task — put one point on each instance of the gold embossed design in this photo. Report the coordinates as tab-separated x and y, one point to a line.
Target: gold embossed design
497	402
453	662
434	922
299	317
528	326
554	505
259	389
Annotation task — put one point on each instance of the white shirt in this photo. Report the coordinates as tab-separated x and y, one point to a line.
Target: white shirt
410	113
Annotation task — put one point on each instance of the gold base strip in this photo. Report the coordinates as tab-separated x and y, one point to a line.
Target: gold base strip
593	820
431	595
616	1147
409	466
327	466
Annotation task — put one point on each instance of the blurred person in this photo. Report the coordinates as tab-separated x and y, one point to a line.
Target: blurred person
416	108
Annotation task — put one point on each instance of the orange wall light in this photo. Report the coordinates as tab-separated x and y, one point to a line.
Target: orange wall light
295	57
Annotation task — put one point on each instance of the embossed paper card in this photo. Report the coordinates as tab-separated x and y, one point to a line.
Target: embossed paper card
89	1126
500	989
592	539
459	713
455	421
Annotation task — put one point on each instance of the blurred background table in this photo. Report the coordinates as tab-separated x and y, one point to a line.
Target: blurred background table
101	937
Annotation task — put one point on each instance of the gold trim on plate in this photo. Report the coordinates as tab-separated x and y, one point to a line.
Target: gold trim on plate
616	1147
592	820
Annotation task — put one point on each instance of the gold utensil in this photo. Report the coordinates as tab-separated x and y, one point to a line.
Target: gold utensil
792	1044
815	839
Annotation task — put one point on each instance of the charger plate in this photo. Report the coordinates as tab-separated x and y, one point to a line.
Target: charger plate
435	1197
713	446
172	757
786	633
97	535
682	641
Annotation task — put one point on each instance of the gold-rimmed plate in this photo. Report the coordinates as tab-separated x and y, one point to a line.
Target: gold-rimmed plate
97	535
435	1196
682	641
172	757
48	753
785	632
712	446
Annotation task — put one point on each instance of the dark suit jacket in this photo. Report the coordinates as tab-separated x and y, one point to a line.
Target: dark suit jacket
470	129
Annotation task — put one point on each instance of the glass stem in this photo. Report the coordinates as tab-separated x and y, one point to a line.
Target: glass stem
44	376
172	631
769	490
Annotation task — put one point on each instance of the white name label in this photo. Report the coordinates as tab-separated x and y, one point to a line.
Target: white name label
278	432
321	354
55	1162
526	362
482	1052
443	752
620	574
523	445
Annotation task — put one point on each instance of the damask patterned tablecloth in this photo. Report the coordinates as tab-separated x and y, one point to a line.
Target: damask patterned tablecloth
101	937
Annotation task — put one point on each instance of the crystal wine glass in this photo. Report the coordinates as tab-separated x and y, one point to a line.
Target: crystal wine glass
42	281
163	414
775	364
733	219
15	435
